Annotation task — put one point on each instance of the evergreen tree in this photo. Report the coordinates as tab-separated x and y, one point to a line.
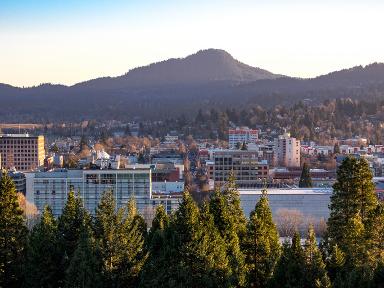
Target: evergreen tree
133	253
315	269
120	241
43	253
305	178
156	243
84	269
232	198
336	148
352	211
262	247
224	208
13	235
290	269
69	225
335	265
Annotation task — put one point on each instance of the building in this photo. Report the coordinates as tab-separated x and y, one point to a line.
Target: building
245	165
52	187
241	135
287	151
19	180
22	151
312	203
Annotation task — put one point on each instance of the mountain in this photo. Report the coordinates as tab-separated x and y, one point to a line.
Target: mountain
202	67
207	79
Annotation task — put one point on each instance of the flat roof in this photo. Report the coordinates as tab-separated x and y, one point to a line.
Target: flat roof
288	191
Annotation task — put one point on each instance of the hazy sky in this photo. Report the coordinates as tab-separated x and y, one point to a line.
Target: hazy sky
67	41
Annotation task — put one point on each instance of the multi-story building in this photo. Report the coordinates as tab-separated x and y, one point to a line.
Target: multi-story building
52	187
245	166
22	151
287	151
241	135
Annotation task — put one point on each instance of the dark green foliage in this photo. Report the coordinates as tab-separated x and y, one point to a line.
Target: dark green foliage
228	219
13	235
305	178
355	225
84	269
192	253
70	224
120	240
315	270
43	253
261	245
290	270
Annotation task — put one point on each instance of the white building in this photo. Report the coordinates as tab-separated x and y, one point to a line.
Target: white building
52	187
241	135
312	203
287	151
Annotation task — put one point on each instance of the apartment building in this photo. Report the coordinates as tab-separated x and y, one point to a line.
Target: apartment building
21	151
241	135
247	169
287	151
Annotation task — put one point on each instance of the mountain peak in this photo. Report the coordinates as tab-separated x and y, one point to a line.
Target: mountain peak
202	67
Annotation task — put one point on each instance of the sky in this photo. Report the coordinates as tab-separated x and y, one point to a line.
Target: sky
69	41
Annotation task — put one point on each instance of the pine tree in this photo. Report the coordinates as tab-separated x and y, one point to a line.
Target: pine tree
42	253
335	265
13	235
352	208
224	208
353	193
156	243
305	178
291	266
70	224
120	241
262	247
315	269
232	197
84	270
133	254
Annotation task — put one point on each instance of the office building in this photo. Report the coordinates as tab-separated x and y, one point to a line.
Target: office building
21	151
247	169
52	187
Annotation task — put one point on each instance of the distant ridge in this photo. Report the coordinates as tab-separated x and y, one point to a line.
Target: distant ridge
202	67
208	79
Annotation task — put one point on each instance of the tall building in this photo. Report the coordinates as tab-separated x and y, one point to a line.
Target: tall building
21	151
52	187
287	151
247	170
241	135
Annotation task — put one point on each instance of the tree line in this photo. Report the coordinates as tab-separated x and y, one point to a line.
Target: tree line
207	245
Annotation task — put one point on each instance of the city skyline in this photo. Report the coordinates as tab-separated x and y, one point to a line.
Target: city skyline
66	43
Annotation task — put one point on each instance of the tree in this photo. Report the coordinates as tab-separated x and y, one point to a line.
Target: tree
315	268
232	199
262	247
70	224
120	241
192	254
13	235
353	203
84	269
227	218
291	266
305	178
336	148
43	253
